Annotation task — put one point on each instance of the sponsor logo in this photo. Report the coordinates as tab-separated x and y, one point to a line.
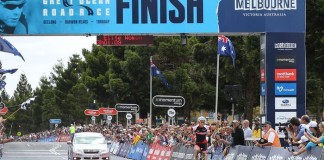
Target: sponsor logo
168	101
285	60
285	74
283	117
259	156
263	89
285	45
276	157
242	156
265	5
285	103
262	74
285	89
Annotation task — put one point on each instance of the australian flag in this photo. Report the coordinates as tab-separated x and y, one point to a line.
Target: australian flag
6	46
156	72
226	48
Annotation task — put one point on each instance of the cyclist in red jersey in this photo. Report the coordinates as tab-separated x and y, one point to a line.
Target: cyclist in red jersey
201	131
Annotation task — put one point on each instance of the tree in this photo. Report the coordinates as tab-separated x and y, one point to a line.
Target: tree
68	91
24	118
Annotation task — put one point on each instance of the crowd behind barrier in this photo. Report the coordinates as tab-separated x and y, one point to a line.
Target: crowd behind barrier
175	142
143	151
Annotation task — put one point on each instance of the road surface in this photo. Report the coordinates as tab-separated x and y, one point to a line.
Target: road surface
38	151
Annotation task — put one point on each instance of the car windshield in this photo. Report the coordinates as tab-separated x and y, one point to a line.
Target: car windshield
89	140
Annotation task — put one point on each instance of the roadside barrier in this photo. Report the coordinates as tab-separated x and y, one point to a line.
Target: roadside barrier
47	139
271	153
142	151
63	138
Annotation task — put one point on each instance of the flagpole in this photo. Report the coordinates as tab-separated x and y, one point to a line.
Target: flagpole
13	113
150	124
217	75
10	128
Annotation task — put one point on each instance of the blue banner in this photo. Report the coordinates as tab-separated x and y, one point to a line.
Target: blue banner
283	52
261	15
145	152
77	17
132	152
139	150
285	89
55	121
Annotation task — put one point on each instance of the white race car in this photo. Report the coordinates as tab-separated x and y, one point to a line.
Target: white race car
88	145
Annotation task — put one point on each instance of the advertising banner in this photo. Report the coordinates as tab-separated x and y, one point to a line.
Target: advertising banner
285	89
82	17
168	101
279	153
234	150
285	75
243	152
315	153
285	60
127	108
259	153
285	80
283	117
145	152
175	152
285	103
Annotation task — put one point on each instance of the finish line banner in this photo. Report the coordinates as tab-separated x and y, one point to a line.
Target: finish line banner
155	17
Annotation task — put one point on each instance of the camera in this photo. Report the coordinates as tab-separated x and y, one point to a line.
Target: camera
282	128
262	141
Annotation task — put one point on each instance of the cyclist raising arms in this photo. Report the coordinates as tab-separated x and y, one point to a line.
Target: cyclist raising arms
201	141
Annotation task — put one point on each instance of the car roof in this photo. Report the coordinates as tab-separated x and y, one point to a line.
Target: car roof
88	134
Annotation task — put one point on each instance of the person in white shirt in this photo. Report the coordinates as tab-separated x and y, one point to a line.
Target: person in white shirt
246	129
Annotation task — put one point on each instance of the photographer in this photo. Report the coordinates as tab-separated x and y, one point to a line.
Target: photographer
270	138
297	130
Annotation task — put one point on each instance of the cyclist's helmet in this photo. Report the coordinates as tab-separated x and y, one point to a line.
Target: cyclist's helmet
202	119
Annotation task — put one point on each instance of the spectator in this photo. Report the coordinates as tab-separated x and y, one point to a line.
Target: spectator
256	129
304	121
224	123
270	138
226	139
314	129
238	134
2	139
246	129
217	147
314	141
297	130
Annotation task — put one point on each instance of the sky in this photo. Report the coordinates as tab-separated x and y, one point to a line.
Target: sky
41	53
